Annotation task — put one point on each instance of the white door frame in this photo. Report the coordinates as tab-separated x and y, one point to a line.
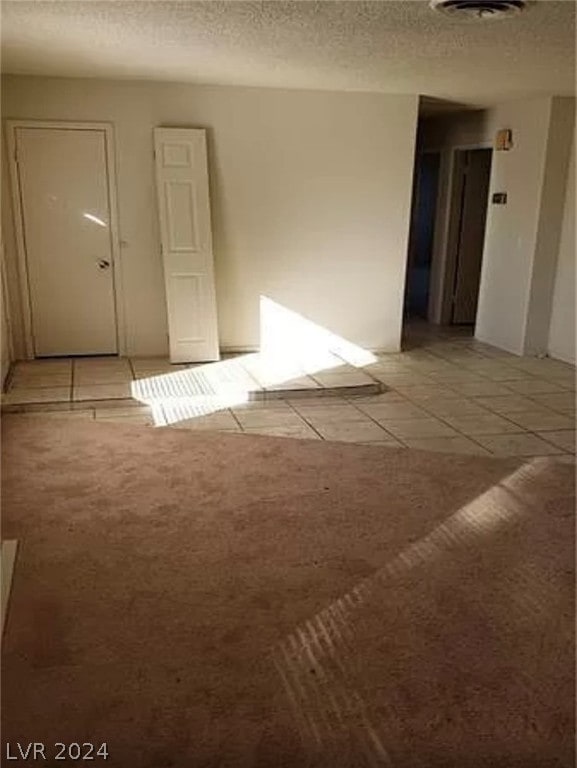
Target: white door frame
107	129
6	307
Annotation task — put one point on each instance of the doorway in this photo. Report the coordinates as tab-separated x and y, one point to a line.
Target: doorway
468	215
420	252
66	238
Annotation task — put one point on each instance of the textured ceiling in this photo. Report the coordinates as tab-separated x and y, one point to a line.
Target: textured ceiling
384	45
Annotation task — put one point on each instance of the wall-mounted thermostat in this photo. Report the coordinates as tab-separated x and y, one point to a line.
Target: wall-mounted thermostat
504	140
499	198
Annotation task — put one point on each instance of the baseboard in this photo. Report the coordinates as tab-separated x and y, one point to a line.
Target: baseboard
255	349
554	355
239	350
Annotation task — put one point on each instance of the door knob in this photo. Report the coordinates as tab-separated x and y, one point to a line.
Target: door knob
103	264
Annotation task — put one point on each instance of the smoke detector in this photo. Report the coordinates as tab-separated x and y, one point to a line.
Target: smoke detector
479	9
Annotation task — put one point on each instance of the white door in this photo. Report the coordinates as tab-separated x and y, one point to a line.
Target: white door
63	182
186	242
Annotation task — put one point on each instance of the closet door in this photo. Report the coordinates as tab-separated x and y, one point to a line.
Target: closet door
63	183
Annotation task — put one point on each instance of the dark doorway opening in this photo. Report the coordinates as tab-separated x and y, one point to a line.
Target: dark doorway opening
421	235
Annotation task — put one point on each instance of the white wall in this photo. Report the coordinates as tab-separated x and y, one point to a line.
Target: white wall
310	198
553	194
522	237
562	327
511	231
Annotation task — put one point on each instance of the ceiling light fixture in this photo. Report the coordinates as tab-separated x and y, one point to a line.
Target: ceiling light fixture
479	9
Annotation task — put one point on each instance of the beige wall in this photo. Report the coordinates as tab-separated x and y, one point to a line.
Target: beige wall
562	327
522	237
511	231
310	199
553	194
5	335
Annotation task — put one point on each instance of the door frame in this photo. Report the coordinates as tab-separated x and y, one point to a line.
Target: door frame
444	239
456	232
6	309
117	284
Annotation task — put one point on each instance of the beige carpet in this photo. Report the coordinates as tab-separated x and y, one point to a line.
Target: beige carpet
233	601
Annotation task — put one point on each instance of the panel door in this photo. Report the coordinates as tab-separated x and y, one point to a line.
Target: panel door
186	243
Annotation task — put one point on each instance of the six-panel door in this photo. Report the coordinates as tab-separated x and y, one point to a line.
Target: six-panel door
184	212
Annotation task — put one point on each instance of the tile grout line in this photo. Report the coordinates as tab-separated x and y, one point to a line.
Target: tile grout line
555	410
365	416
132	371
502	361
305	420
495	434
535	404
389	434
419	404
72	371
472	437
527	431
235	417
565	451
459	432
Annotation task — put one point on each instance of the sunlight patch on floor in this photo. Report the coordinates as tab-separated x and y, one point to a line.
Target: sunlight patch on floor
292	348
316	661
300	338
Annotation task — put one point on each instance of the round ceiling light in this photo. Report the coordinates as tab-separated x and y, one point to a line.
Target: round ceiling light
479	9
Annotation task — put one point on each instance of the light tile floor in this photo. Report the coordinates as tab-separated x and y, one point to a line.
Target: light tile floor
447	392
89	380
